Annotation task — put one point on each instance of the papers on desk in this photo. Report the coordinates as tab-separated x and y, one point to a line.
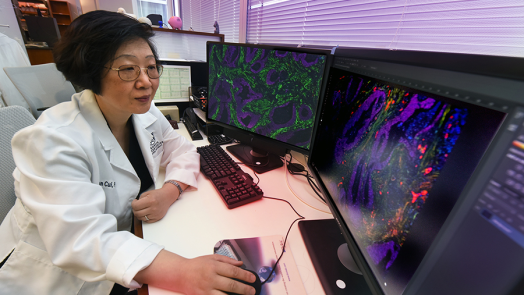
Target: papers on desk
259	255
174	84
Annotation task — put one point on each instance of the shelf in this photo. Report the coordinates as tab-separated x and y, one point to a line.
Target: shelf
34	1
60	7
44	14
61	11
31	7
34	13
221	36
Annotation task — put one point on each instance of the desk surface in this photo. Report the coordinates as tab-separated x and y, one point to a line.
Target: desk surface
199	219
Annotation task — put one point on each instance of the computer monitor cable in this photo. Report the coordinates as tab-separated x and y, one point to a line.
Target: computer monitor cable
285	239
295	169
310	181
289	229
293	172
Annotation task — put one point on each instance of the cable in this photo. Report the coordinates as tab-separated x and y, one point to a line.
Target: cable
310	181
308	176
258	178
254	172
285	239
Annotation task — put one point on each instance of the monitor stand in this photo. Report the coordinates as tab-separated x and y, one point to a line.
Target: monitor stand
259	162
327	247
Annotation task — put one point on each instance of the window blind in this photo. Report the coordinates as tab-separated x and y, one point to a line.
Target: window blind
201	15
492	27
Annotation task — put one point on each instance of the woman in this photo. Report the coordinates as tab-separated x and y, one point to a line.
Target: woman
83	163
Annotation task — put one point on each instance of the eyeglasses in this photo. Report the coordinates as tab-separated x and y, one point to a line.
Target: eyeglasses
131	73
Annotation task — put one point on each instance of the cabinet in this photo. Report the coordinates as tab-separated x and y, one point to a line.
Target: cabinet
29	8
62	12
38	56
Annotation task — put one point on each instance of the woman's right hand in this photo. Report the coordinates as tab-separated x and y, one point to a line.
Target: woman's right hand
211	274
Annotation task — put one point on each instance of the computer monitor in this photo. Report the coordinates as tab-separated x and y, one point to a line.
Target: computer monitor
420	157
266	97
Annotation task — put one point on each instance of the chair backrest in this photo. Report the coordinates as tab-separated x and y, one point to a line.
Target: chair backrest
11	55
12	119
42	86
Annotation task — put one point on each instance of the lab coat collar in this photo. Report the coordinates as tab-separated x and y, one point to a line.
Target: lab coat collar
91	111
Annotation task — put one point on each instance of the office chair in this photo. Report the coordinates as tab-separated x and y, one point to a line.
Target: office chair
11	55
12	119
42	86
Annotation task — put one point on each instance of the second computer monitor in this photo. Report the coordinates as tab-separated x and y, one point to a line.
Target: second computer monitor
266	97
422	168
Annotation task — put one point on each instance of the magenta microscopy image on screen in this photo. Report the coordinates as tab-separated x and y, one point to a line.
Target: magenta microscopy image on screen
389	151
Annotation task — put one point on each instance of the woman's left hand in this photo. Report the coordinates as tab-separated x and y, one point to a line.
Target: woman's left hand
153	205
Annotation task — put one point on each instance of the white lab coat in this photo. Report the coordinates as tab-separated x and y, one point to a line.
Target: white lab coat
70	224
11	55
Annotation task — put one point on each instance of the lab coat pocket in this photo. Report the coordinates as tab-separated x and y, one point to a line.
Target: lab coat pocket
29	271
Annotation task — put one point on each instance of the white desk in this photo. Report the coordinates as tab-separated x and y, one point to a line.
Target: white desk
199	219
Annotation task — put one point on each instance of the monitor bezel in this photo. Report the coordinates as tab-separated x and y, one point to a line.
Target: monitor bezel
491	66
358	257
273	146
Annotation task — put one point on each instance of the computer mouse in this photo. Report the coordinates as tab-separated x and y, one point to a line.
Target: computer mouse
257	284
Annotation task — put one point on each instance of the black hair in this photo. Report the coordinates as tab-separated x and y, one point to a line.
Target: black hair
91	42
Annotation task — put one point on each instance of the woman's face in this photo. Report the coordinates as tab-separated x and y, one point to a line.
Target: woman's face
120	99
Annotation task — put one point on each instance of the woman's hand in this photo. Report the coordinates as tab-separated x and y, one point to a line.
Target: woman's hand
204	275
155	203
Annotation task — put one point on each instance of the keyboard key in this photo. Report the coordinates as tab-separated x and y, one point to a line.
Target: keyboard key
235	186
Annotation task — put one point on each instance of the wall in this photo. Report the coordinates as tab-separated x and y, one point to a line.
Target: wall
78	7
88	5
8	17
113	5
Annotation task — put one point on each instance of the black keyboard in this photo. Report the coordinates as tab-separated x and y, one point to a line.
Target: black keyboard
219	139
235	186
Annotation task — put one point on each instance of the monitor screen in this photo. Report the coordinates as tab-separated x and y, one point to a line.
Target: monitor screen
396	149
265	93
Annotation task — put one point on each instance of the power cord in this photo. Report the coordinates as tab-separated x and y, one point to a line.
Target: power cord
285	239
310	179
300	218
297	171
311	183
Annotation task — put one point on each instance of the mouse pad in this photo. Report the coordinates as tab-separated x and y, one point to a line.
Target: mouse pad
259	254
322	238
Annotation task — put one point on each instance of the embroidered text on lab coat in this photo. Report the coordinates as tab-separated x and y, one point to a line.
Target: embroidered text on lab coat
154	145
109	184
